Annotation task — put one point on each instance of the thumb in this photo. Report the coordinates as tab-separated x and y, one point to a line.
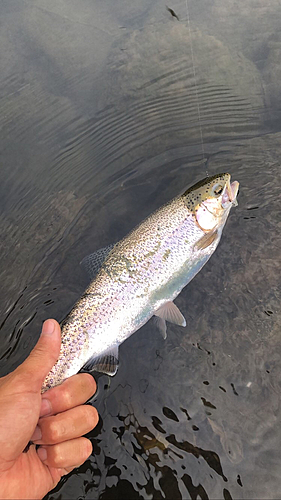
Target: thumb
20	396
44	355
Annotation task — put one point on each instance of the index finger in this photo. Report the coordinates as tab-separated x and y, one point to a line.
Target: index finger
74	391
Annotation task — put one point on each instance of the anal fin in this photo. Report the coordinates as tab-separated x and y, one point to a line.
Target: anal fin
161	325
170	312
107	362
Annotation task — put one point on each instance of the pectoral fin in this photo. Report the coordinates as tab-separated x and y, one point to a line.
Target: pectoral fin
206	240
107	362
93	262
170	312
161	325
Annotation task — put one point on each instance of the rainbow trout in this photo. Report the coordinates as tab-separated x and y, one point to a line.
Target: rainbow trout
141	275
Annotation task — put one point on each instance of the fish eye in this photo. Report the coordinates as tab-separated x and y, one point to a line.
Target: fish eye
217	189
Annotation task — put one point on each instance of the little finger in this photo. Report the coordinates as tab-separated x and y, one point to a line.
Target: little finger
65	455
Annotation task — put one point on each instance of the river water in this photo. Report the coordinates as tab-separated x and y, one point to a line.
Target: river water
108	110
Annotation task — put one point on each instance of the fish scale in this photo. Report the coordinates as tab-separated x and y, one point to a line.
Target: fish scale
141	276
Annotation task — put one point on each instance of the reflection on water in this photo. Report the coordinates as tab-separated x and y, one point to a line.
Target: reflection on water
108	111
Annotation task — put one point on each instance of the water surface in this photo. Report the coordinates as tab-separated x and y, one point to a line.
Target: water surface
108	110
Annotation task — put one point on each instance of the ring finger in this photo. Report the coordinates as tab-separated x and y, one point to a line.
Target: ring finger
64	426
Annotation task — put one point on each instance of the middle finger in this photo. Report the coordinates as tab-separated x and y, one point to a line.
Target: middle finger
67	425
74	391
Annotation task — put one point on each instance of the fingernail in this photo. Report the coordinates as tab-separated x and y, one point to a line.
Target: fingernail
37	434
48	327
46	408
42	453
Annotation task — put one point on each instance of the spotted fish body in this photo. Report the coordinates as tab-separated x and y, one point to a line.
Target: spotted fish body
142	275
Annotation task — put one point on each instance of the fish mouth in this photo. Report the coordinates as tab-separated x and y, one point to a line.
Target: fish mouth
230	193
233	190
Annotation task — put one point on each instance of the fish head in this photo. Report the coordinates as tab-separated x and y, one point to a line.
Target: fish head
211	199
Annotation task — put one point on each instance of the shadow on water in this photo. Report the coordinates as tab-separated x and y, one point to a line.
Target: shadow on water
107	113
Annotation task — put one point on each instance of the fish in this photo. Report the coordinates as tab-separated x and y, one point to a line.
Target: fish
141	275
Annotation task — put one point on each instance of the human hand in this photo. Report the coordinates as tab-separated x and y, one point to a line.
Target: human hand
55	420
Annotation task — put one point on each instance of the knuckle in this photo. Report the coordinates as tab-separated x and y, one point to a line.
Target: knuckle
53	431
57	457
66	397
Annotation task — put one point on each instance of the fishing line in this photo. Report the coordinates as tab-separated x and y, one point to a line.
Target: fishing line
196	88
